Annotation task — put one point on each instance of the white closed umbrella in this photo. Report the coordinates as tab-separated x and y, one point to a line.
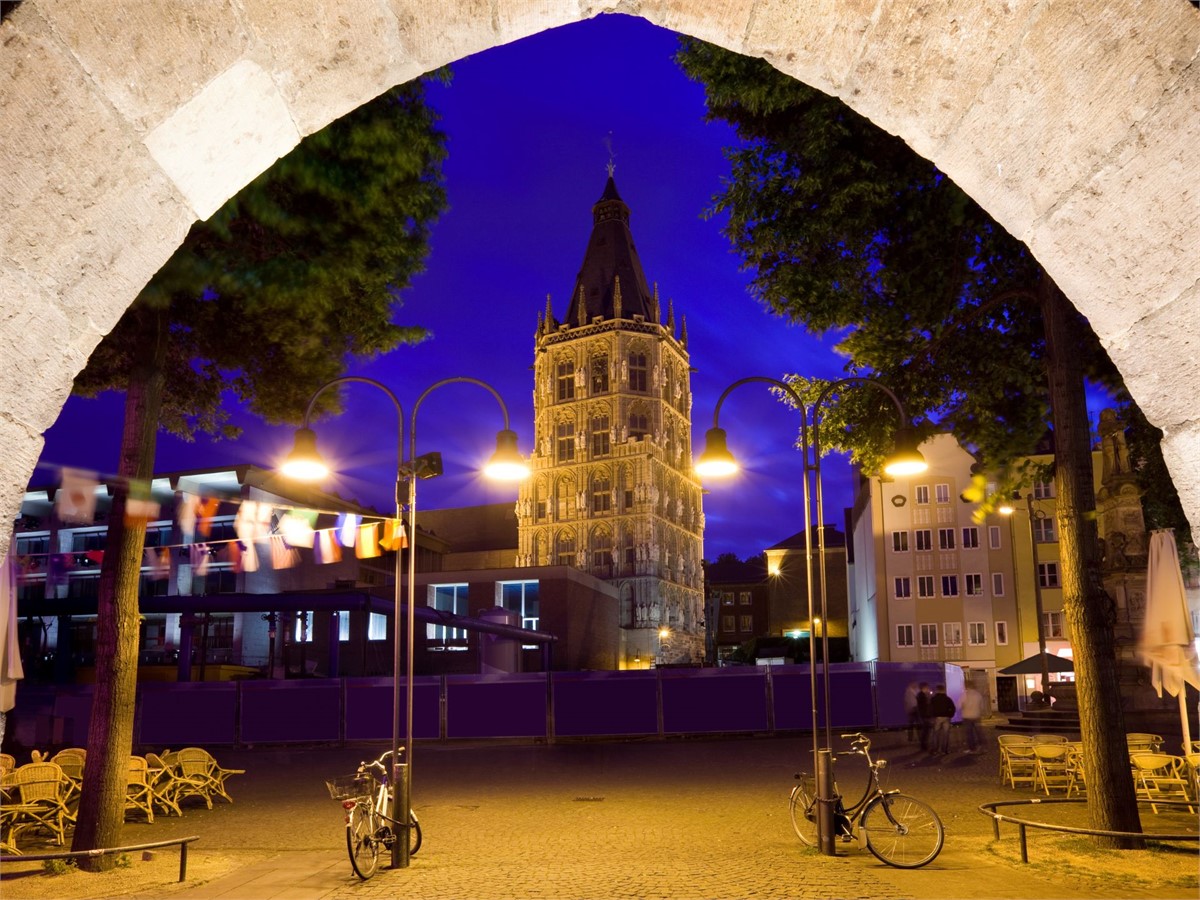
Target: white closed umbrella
10	647
1168	644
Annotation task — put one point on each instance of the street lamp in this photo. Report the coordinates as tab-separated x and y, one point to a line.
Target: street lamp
717	460
1007	509
305	463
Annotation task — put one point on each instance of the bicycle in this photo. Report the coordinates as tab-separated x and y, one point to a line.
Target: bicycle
899	830
367	799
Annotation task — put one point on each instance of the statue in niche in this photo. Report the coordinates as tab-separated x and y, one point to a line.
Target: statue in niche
624	371
1114	449
580	378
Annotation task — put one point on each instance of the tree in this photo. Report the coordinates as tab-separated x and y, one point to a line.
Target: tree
846	229
263	303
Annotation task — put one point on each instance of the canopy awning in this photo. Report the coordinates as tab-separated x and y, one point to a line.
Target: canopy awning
1032	665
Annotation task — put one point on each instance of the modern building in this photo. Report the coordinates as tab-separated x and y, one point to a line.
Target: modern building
613	493
738	604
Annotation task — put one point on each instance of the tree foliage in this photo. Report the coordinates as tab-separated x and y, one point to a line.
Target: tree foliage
264	302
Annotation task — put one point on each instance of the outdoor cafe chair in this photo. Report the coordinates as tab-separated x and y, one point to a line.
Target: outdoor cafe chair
1191	764
190	777
1050	739
166	784
139	797
1002	740
1078	783
1020	764
1159	777
71	762
39	794
1053	766
8	762
1139	741
212	771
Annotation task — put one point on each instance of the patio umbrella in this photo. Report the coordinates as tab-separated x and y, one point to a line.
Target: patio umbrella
1167	644
1032	665
10	649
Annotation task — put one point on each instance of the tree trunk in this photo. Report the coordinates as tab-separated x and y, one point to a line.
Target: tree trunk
110	735
1089	611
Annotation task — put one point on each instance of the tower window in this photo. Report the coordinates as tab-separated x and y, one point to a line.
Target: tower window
639	426
565	380
600	436
637	373
564	550
600	375
564	442
601	494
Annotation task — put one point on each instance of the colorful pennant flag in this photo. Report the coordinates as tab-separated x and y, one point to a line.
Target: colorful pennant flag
367	546
75	501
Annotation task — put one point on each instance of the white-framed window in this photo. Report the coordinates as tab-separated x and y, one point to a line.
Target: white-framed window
520	597
1052	624
343	625
977	633
942	492
997	584
973	584
952	634
745	623
1002	634
745	598
946	538
921	492
900	541
970	538
727	623
727	598
904	635
950	586
1043	530
1043	490
925	586
450	598
377	627
1048	574
903	587
929	635
994	537
924	539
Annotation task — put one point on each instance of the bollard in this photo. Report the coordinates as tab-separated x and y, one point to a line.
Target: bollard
825	802
401	823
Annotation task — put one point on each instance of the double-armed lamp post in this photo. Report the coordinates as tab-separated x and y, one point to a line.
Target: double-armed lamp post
305	463
717	461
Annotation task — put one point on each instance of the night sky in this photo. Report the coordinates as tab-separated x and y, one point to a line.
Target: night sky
529	126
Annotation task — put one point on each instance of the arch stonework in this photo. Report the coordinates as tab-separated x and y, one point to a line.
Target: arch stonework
1074	124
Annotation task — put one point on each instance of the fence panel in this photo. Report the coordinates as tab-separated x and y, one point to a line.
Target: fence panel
493	706
703	701
190	713
369	703
594	704
302	711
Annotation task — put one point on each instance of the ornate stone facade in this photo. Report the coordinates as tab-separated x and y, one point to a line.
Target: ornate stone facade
613	492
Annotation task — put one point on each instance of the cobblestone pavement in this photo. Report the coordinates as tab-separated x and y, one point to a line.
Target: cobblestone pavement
680	819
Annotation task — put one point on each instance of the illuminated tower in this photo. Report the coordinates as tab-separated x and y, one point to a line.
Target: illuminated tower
613	492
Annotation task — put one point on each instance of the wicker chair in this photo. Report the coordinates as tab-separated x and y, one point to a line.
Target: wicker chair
211	772
71	762
39	790
138	795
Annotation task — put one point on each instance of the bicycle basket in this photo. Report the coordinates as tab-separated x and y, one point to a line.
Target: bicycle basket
348	787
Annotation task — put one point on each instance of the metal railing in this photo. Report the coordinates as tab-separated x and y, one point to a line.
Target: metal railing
104	851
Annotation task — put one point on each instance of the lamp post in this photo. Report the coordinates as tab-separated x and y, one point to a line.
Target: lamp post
1008	510
716	460
305	463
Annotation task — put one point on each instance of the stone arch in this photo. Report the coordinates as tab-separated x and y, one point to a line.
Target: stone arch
1076	132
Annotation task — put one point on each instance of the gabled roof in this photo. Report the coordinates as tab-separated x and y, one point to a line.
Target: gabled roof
610	280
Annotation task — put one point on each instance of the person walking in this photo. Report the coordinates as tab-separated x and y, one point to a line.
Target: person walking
923	714
910	709
970	704
941	711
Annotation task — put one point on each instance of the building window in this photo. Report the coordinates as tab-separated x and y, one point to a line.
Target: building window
904	635
900	541
447	598
637	373
564	442
377	627
83	586
746	624
82	541
565	380
564	550
599	374
994	537
922	493
301	633
952	634
727	598
977	633
950	586
1002	633
973	583
946	538
600	436
925	586
1052	624
924	538
745	598
1043	490
1043	530
601	493
158	536
520	597
639	426
997	584
215	581
903	588
1048	574
602	551
727	624
343	625
970	538
28	546
942	492
929	636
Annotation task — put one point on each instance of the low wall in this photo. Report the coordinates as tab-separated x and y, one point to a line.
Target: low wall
546	706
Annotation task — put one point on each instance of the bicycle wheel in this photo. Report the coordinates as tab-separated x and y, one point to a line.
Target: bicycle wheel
361	840
902	831
803	809
414	839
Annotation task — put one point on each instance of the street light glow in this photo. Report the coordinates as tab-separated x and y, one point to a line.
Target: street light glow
716	461
304	463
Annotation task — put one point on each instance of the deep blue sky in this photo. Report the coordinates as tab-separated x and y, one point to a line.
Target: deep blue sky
527	126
